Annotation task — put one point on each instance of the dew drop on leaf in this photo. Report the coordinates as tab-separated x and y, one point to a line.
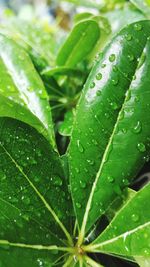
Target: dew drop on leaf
138	27
82	184
98	93
78	205
80	147
92	85
110	179
130	57
135	217
103	65
99	76
114	105
137	128
57	181
112	58
128	37
115	81
141	147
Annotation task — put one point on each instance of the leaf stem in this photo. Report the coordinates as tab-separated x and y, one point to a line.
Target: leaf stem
68	262
92	262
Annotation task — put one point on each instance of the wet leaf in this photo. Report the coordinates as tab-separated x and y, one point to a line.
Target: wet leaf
110	138
128	233
22	93
79	43
34	199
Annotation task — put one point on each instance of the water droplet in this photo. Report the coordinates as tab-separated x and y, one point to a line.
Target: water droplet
114	105
122	115
137	128
103	65
142	60
98	93
25	200
135	217
57	181
141	147
115	68
92	85
146	158
128	96
82	184
138	27
115	81
125	182
99	76
91	162
124	130
128	37
112	58
78	205
137	99
80	147
110	179
130	57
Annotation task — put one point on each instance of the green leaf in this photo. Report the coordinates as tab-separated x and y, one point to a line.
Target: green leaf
125	15
34	199
111	101
22	93
143	5
128	234
119	202
65	127
79	43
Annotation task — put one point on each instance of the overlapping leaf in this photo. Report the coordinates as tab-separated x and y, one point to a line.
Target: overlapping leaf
22	93
129	232
79	43
34	198
111	125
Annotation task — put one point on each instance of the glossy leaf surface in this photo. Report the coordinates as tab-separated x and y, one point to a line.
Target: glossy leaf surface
129	232
79	43
34	198
143	5
109	121
22	93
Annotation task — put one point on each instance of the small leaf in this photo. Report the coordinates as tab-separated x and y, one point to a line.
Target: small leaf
22	93
79	43
128	233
